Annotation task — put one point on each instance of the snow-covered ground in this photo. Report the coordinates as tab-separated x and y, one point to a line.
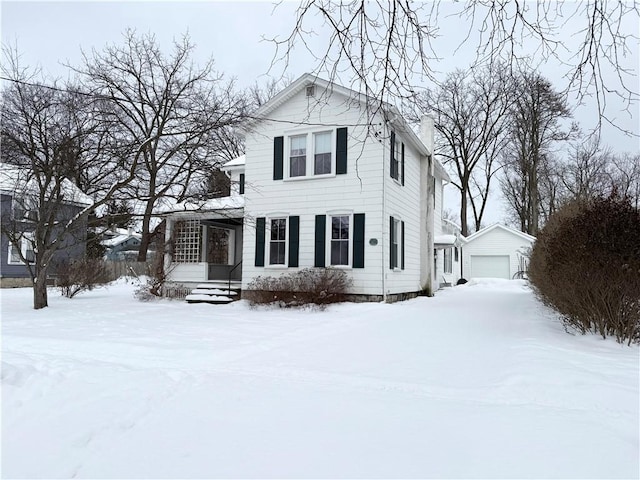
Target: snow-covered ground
478	382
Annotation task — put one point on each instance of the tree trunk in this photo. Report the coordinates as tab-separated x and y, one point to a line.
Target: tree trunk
145	241
40	291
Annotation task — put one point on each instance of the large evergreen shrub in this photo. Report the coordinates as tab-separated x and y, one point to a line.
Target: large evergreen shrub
586	265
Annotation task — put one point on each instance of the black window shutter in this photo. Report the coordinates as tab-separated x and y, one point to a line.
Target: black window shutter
402	165
260	228
321	226
358	240
393	151
294	236
402	245
341	151
278	157
392	259
242	184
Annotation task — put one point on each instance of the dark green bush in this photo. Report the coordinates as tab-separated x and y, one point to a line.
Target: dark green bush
310	286
586	265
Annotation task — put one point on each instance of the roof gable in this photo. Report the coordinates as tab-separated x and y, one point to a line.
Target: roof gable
391	113
499	226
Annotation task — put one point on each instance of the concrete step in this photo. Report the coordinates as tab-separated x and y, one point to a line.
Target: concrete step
214	299
214	291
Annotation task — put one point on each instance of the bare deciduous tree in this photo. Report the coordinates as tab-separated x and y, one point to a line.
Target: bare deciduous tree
387	48
169	99
46	133
469	110
534	126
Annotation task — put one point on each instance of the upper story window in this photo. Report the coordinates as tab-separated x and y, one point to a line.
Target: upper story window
298	156
322	153
310	154
396	160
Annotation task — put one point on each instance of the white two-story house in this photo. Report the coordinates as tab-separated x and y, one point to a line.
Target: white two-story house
330	179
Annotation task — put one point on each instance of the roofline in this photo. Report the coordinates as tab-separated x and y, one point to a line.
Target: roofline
481	232
392	114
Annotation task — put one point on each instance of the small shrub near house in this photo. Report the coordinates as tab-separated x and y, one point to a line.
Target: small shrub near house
311	286
586	265
81	275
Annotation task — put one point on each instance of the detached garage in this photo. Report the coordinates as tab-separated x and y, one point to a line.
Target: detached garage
496	251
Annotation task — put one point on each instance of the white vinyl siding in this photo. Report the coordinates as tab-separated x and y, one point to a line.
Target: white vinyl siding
494	241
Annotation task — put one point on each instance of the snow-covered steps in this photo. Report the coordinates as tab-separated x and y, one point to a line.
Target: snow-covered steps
215	293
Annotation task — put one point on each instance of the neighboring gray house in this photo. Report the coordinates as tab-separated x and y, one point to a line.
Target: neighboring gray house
121	244
19	213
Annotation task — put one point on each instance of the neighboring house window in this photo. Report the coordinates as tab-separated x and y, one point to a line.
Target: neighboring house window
396	244
448	264
340	240
455	253
26	248
278	241
241	189
298	156
187	241
322	153
22	211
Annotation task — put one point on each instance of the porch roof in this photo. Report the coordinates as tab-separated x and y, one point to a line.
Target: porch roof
223	207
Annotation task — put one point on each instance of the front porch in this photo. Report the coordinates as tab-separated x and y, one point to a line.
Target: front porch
206	249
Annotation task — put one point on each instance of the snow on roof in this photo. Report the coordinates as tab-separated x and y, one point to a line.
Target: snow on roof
444	240
18	181
111	242
490	228
236	162
214	204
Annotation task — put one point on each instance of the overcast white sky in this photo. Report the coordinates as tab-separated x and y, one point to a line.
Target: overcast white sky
50	33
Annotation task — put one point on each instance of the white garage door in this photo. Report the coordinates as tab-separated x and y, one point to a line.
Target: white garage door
495	266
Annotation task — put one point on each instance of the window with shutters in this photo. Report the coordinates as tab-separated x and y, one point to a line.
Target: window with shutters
395	158
310	154
298	156
340	236
278	241
339	240
396	244
322	153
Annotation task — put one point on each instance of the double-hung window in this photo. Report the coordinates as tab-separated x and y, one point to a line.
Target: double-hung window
396	244
298	156
310	154
278	241
25	247
340	240
395	159
322	153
